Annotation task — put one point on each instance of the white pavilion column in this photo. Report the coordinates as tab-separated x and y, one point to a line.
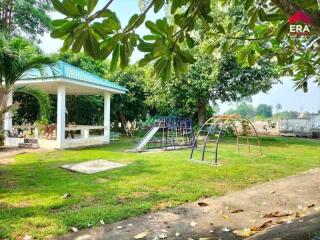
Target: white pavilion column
8	116
106	117
61	115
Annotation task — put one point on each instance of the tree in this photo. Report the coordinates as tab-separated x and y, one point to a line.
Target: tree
100	33
264	111
29	17
244	110
17	56
278	107
132	105
264	32
207	81
260	31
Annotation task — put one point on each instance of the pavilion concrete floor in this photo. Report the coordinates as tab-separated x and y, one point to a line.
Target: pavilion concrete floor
293	205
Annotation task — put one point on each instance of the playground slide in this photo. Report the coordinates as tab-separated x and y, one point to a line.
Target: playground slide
147	138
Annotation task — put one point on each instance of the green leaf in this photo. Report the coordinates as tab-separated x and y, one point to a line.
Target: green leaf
124	58
251	58
79	41
177	66
212	47
248	3
282	30
71	7
60	7
110	25
139	21
185	56
154	28
91	5
158	4
145	60
67	43
190	41
91	45
253	19
151	37
220	28
160	50
132	20
58	22
115	57
145	46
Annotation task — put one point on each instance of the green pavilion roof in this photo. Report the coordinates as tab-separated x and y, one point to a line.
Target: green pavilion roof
64	70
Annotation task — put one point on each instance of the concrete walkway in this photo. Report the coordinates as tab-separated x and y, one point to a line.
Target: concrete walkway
292	203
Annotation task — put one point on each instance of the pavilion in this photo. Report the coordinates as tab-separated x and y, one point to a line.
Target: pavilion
64	79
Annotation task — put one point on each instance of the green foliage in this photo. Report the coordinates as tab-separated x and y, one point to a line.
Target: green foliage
29	17
264	110
17	56
254	30
286	115
244	110
132	105
260	30
99	34
261	112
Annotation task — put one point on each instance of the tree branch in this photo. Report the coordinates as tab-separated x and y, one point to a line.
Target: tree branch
94	16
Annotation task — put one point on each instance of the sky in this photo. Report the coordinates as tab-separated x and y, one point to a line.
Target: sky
280	93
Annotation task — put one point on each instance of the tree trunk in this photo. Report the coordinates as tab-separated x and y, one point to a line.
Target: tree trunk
201	112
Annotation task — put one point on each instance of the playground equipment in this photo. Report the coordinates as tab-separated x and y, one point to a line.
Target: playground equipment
167	133
208	137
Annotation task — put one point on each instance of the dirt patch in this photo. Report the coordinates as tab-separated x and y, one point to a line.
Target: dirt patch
288	208
6	161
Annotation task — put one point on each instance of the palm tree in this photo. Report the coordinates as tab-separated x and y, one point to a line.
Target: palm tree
17	56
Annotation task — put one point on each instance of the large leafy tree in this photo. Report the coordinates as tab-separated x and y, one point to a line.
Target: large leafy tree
210	80
29	17
100	33
132	105
263	32
260	32
17	56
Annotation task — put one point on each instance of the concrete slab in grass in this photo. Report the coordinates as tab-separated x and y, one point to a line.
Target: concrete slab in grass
94	166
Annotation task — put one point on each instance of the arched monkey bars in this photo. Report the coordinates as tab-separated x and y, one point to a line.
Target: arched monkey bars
208	137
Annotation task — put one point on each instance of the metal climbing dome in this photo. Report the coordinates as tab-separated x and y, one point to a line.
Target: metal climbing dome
168	133
207	139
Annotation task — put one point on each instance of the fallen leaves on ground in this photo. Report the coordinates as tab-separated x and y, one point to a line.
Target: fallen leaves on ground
66	195
226	217
247	232
193	224
141	235
74	229
226	229
277	214
263	226
163	236
237	210
202	204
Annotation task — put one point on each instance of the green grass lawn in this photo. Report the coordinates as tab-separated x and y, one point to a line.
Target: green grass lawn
31	188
